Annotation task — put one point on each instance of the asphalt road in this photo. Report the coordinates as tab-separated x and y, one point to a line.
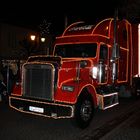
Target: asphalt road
19	126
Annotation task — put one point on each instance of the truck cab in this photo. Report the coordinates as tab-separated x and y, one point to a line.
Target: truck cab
84	72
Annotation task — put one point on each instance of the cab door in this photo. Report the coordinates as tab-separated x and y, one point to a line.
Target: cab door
103	64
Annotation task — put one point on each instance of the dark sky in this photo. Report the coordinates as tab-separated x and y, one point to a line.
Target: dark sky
32	13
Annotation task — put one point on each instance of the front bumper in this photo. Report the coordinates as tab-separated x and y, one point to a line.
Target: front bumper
41	108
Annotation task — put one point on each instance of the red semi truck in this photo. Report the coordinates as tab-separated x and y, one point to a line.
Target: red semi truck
91	66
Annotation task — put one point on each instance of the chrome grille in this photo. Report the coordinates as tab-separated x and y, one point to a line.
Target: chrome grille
38	81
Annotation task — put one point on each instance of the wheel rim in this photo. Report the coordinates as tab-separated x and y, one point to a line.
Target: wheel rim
86	110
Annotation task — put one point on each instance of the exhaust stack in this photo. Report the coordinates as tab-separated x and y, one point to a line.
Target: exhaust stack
115	50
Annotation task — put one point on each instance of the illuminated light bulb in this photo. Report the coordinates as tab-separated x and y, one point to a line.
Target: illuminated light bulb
32	37
42	39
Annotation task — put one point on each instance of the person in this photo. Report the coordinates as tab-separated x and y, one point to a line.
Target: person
13	76
3	88
8	76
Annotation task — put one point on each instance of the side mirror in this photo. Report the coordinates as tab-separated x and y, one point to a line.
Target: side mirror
83	63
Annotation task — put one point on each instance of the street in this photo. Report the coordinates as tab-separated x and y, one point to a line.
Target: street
19	126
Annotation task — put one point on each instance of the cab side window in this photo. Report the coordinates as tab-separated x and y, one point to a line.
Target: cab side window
103	52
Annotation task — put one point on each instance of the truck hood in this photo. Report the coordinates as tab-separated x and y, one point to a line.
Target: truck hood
45	58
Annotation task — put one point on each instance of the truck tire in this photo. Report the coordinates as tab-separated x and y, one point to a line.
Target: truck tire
84	110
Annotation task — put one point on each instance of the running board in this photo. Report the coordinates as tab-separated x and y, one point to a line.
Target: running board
107	100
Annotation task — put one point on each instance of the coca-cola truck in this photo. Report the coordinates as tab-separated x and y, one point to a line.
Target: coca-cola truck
90	67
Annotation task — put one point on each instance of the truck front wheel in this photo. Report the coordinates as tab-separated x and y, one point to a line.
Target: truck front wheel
84	111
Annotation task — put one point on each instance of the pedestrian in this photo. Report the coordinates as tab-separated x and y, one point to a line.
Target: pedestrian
3	89
13	69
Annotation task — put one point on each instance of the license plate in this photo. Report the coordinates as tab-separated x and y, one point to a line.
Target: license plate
36	109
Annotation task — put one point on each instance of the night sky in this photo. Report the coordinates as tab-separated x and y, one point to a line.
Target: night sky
32	13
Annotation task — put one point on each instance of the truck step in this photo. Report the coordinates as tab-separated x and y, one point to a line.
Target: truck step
106	101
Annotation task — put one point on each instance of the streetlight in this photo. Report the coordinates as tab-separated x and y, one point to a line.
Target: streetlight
33	37
38	40
43	44
43	39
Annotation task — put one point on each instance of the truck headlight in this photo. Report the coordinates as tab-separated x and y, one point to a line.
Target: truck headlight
68	88
94	72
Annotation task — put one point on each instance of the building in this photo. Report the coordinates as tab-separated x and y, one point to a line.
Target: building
15	42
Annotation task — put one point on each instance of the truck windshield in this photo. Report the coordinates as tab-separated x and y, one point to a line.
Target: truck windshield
76	50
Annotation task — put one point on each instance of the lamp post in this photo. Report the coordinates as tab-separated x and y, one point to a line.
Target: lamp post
40	41
44	45
33	42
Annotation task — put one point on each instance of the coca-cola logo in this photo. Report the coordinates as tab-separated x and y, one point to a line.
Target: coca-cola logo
86	27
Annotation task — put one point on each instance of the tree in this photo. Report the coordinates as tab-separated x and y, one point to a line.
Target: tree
44	28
